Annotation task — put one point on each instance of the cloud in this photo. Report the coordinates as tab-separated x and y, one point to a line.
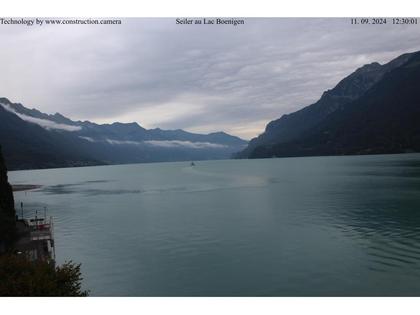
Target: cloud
110	141
163	143
201	78
184	144
46	124
87	139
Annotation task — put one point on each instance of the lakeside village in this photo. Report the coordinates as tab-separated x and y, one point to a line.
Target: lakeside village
35	236
33	232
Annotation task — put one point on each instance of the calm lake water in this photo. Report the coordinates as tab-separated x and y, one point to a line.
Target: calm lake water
318	226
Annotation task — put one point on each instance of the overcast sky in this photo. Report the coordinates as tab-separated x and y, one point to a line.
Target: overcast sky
201	78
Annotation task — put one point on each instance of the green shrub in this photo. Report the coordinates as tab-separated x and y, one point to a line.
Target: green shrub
21	277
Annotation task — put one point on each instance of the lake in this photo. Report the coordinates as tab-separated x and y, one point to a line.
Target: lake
313	226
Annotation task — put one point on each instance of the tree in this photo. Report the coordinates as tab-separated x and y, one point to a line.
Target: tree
7	209
21	277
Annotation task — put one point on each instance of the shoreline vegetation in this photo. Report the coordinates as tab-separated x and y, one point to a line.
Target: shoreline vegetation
23	277
20	274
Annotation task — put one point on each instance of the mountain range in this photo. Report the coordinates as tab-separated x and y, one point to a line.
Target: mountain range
31	139
374	110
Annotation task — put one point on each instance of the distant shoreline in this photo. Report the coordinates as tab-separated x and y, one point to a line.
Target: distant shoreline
25	187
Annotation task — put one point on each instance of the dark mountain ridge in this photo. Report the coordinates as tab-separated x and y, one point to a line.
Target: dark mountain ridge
385	118
292	126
